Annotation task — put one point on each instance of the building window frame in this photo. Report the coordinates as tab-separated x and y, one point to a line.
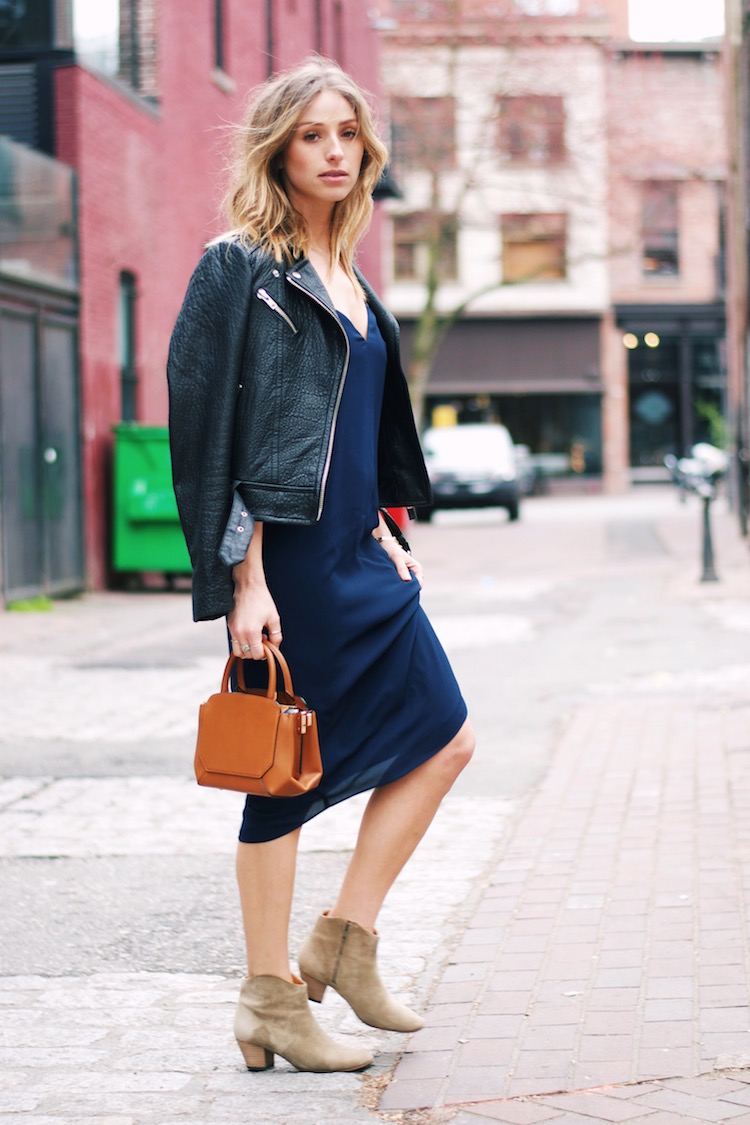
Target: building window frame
138	49
534	247
412	235
423	132
660	229
127	345
531	129
433	11
130	45
220	51
553	8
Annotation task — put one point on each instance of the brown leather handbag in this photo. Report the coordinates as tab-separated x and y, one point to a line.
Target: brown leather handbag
256	741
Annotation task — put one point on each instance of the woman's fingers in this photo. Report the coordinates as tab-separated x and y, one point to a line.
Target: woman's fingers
406	566
414	568
251	648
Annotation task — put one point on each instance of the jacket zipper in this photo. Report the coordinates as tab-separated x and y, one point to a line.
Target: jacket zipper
264	295
329	451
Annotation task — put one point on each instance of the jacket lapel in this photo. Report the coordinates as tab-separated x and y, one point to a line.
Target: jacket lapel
303	275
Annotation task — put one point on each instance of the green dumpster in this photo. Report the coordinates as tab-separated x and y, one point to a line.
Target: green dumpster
147	535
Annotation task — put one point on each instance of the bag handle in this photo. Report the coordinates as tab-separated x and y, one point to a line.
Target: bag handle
273	657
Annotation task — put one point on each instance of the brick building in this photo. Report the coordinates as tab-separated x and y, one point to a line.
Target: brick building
737	93
142	115
562	147
667	178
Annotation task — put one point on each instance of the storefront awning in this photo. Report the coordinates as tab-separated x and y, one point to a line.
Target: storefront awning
519	356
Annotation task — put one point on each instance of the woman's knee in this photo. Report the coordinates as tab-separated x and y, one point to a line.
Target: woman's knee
459	751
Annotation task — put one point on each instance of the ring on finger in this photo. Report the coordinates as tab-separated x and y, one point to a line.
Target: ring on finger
245	648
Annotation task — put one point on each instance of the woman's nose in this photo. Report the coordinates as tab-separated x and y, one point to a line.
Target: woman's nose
335	151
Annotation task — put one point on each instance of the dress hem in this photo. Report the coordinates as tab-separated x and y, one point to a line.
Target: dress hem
454	724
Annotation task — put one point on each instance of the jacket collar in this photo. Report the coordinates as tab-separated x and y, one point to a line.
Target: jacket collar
302	273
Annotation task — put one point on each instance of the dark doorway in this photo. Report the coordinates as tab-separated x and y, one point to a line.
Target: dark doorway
42	539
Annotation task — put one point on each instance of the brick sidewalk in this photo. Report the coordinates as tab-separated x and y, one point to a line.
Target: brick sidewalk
605	974
598	850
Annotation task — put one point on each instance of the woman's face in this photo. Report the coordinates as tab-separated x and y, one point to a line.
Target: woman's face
321	163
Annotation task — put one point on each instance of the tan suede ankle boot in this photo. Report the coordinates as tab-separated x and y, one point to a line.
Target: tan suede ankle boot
342	954
274	1017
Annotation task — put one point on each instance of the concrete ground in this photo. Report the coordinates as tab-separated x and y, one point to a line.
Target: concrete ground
574	926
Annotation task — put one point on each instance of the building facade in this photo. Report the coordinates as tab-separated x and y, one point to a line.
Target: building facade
142	112
537	165
737	94
667	185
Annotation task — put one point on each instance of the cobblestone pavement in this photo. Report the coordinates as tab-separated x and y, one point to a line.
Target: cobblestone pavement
574	924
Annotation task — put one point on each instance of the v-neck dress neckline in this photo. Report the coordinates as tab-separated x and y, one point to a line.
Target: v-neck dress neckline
343	316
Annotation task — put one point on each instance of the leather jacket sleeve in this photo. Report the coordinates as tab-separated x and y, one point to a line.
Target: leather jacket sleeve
204	371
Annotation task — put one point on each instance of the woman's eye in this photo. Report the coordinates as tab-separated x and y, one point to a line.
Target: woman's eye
350	134
310	137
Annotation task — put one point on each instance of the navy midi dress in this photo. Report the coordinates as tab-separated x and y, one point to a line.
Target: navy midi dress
361	650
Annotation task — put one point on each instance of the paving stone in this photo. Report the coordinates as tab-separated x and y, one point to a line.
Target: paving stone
689	1105
709	1086
514	1113
410	1094
597	1106
472	1083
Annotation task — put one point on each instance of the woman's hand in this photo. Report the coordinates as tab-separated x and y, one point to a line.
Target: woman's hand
254	609
404	562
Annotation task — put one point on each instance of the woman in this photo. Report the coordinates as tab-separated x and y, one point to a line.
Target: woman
290	424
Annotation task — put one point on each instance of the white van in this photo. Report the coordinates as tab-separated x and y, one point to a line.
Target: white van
471	466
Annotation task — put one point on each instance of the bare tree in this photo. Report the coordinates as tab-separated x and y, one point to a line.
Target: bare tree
456	149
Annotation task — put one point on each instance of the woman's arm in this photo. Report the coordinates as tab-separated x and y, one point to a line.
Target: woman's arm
204	371
404	561
254	609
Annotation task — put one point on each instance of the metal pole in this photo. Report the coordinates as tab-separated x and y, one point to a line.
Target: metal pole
709	574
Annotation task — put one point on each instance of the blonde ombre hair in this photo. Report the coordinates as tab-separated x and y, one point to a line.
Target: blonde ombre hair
257	204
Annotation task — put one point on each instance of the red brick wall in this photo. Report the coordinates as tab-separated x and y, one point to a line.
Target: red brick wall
150	184
666	122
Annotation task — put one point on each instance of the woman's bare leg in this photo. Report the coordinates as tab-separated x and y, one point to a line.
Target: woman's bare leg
265	876
395	820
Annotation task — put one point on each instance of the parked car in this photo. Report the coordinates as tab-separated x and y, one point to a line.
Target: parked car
527	471
471	466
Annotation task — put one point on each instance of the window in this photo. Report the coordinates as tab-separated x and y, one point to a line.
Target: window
338	32
547	7
130	47
137	47
431	10
26	27
319	26
533	247
219	44
127	340
660	229
413	235
531	128
423	132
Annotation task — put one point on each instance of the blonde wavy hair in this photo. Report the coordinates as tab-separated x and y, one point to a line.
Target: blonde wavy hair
256	202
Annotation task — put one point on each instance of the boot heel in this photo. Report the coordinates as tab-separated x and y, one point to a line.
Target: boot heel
315	988
256	1058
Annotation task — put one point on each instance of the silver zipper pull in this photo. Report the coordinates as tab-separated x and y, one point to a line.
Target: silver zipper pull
264	295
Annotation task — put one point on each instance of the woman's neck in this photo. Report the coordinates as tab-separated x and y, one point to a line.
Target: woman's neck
320	257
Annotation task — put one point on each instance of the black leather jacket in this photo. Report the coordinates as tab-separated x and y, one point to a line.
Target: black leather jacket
256	370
